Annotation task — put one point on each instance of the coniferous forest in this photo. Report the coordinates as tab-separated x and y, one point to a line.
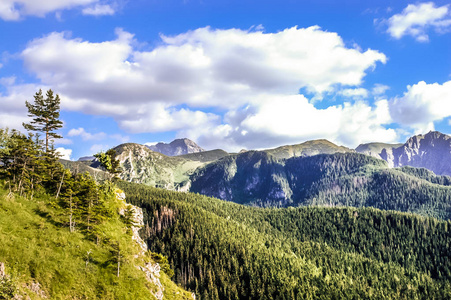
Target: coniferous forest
223	250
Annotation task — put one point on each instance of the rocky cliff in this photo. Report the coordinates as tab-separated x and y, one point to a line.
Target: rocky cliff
431	151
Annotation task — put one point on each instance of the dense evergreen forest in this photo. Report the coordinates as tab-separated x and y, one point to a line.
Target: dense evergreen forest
341	179
222	250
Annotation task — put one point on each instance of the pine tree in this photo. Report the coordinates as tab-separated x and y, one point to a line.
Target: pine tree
109	162
45	114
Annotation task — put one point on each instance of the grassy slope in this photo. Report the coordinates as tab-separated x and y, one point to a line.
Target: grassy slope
36	246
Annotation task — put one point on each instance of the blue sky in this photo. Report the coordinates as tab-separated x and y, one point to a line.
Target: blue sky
228	74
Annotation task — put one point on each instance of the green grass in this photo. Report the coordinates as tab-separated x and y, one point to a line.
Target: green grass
36	246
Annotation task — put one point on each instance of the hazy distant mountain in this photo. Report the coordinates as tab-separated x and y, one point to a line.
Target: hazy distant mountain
177	147
206	156
431	151
86	158
308	148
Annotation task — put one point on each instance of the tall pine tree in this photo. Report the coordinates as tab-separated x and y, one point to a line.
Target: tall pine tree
45	114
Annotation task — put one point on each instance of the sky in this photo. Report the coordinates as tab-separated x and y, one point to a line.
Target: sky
228	74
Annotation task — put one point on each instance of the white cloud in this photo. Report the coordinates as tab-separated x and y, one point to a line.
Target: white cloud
96	148
151	143
422	104
171	86
63	141
276	120
86	136
99	10
358	93
13	10
415	19
13	111
379	89
65	153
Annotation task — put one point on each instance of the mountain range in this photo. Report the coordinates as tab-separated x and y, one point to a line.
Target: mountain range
312	173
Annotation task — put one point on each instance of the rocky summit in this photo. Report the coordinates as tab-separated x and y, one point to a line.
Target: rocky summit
431	151
177	147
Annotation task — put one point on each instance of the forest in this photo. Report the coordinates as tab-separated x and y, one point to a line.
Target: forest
223	250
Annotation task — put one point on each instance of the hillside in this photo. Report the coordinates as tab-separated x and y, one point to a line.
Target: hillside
308	148
64	235
342	179
140	164
223	250
43	259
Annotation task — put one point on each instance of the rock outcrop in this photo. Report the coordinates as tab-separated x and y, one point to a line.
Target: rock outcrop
152	270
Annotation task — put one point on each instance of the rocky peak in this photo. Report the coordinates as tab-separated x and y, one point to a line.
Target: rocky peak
431	151
177	147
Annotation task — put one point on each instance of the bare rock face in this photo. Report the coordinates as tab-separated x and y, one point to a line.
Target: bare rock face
431	151
177	147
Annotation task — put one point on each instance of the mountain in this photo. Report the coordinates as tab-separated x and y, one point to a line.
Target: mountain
142	165
379	150
222	250
431	151
341	179
308	148
177	147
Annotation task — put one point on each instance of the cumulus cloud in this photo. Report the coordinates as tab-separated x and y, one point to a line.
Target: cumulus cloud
13	10
358	93
290	119
86	136
64	153
379	89
174	85
422	104
12	102
415	19
99	10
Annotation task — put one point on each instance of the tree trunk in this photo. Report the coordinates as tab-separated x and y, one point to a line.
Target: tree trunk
118	259
61	183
